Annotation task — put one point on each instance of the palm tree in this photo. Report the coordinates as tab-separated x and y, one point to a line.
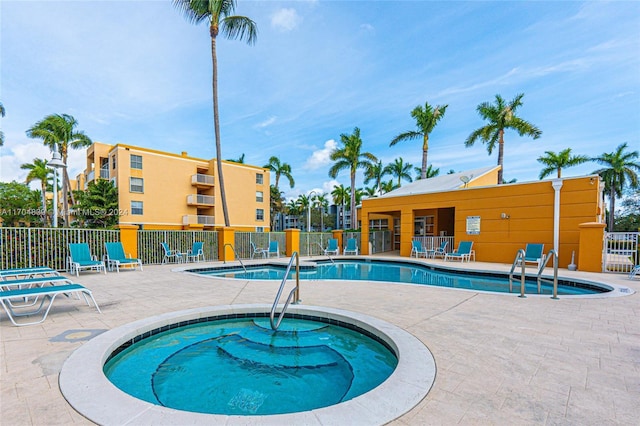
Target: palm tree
426	120
351	157
371	191
620	169
293	209
501	116
557	161
388	186
276	204
2	112
38	170
304	204
340	196
280	169
375	173
239	160
321	202
431	172
219	13
59	131
400	170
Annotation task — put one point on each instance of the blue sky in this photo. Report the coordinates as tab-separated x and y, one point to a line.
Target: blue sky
136	72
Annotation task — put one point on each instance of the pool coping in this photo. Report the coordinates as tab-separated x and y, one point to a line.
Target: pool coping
86	388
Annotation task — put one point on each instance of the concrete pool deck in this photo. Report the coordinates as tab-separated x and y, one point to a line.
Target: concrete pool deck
500	359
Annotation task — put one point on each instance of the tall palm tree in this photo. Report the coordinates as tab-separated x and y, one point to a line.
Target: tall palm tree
501	116
239	160
351	157
371	191
431	172
620	170
276	204
38	170
555	162
219	14
426	120
389	186
321	202
375	173
280	169
304	204
340	196
2	112
293	209
59	130
400	170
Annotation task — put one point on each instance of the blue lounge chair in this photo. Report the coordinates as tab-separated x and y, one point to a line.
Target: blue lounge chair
533	253
257	251
80	259
464	251
116	257
196	252
440	251
274	249
332	248
42	271
352	246
170	254
48	293
417	249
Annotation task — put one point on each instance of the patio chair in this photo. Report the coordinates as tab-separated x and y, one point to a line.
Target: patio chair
48	293
440	251
115	257
196	251
352	247
533	253
332	247
274	249
16	273
80	258
417	249
170	254
257	251
463	252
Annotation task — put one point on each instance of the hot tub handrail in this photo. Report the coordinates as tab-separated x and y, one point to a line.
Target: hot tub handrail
554	254
294	294
235	253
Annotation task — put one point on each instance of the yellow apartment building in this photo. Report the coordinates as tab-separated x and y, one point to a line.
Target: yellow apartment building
499	219
161	190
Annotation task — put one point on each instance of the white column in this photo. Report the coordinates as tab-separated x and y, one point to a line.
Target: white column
556	184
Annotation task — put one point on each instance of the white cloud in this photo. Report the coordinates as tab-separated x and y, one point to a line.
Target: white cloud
268	122
286	19
320	158
367	27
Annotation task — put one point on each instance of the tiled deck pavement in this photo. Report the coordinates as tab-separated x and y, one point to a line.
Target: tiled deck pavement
500	359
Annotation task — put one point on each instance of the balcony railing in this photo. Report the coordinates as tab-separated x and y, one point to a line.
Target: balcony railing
202	179
193	219
200	200
104	173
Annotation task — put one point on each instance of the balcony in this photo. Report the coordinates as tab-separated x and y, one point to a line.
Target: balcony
104	173
201	200
193	219
202	181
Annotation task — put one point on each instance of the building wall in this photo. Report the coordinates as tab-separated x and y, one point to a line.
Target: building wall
528	215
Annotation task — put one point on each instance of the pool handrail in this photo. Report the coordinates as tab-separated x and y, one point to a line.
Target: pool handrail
235	253
325	253
544	262
295	293
519	260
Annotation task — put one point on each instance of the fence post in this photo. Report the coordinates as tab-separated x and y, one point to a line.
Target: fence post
129	239
338	235
292	238
226	236
590	248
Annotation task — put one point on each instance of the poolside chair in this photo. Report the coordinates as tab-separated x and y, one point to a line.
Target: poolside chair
332	247
417	249
196	252
463	252
48	293
274	249
16	273
533	253
352	247
170	254
115	257
80	258
440	251
257	251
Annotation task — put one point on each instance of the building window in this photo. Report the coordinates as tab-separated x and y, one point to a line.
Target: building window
136	161
259	196
259	228
136	207
259	214
259	178
113	162
136	184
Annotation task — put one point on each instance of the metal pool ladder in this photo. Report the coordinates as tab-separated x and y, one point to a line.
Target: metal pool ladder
236	254
328	255
293	295
520	256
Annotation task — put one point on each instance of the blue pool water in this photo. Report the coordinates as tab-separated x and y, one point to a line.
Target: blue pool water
242	367
397	272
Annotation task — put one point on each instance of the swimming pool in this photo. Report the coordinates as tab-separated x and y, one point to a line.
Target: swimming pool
404	273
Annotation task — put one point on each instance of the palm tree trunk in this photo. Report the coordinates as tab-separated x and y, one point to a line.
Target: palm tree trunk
612	206
425	150
501	156
354	219
216	125
43	188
